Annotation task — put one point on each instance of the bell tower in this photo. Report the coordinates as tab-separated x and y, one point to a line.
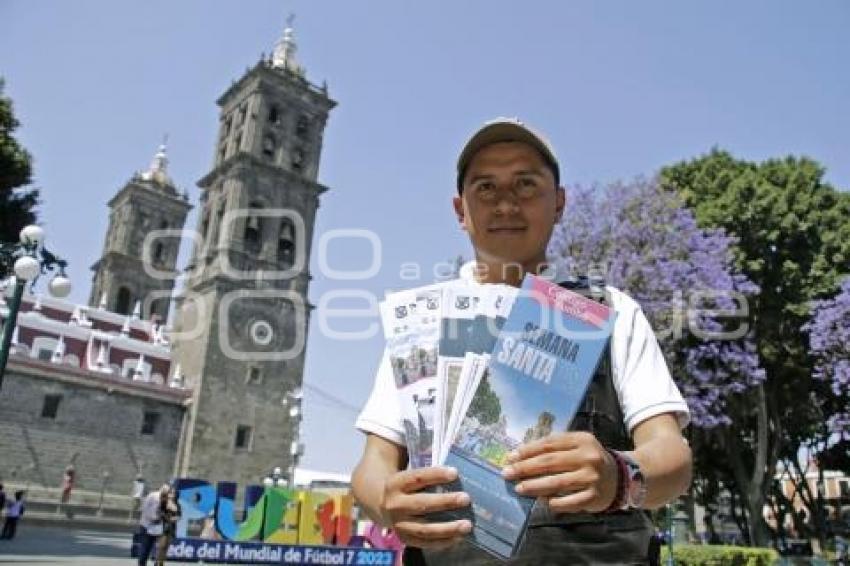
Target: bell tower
140	250
241	324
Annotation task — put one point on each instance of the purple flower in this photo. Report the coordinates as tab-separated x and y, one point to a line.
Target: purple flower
648	244
829	345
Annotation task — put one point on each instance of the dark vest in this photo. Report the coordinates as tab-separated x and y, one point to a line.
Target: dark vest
574	538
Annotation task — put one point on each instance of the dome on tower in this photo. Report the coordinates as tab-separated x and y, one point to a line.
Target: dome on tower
283	56
157	173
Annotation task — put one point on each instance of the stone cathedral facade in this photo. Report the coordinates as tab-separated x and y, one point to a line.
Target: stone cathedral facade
149	201
108	388
247	281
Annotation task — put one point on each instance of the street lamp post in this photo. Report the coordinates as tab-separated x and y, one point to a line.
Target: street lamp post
28	260
669	519
105	475
293	400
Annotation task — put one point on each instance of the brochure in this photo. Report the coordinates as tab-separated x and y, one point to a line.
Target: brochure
460	304
411	322
474	366
495	303
535	380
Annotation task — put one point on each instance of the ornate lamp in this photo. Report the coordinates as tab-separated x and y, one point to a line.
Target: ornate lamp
28	260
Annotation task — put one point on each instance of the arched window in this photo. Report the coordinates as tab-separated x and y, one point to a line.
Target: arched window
274	115
159	310
269	145
122	304
158	253
216	236
297	159
205	223
286	243
253	227
302	126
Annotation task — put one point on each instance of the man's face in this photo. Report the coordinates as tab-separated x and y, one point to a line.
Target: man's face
509	203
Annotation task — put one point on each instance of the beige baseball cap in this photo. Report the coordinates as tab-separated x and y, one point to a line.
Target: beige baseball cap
505	130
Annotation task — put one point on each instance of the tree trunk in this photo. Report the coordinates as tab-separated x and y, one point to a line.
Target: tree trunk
764	469
752	483
813	502
820	510
759	530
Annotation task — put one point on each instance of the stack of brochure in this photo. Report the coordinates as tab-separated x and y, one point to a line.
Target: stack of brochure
481	369
438	337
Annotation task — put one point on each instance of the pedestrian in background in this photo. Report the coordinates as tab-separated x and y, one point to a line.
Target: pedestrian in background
150	523
14	511
67	486
138	493
169	511
2	500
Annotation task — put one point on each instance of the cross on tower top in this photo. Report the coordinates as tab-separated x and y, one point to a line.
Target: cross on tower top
284	51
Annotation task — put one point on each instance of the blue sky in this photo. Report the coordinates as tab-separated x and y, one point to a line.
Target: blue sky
620	87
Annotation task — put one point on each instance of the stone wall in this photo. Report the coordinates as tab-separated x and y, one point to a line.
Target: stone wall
98	427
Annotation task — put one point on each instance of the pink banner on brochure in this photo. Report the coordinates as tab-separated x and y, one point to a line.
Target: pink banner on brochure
570	303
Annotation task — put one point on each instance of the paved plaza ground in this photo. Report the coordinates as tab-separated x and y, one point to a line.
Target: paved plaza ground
56	545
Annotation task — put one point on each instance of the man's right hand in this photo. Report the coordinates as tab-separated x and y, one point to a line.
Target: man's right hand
404	506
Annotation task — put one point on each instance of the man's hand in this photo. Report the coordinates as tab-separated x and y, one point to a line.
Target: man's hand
571	471
403	507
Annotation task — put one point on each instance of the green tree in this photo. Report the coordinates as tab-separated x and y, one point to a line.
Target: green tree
793	241
485	405
17	204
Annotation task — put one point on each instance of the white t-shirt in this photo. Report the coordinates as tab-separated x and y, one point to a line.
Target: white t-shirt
150	518
641	377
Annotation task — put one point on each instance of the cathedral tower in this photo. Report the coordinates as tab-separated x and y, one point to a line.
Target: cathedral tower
241	324
142	241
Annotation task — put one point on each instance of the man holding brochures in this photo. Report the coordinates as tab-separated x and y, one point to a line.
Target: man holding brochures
624	453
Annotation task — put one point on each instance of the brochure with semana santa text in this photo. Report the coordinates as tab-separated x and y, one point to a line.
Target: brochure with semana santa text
536	378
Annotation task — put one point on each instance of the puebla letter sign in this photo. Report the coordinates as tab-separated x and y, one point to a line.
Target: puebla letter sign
279	526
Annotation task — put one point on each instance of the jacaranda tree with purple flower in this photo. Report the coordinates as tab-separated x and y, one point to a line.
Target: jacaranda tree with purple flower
647	243
643	240
828	442
792	239
829	343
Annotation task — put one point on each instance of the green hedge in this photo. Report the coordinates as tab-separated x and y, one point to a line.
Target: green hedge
711	555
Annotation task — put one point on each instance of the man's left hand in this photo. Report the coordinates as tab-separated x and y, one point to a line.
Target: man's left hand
571	471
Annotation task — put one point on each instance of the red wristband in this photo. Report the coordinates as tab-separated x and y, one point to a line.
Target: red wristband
622	480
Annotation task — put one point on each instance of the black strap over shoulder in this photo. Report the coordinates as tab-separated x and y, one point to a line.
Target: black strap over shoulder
601	415
600	412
